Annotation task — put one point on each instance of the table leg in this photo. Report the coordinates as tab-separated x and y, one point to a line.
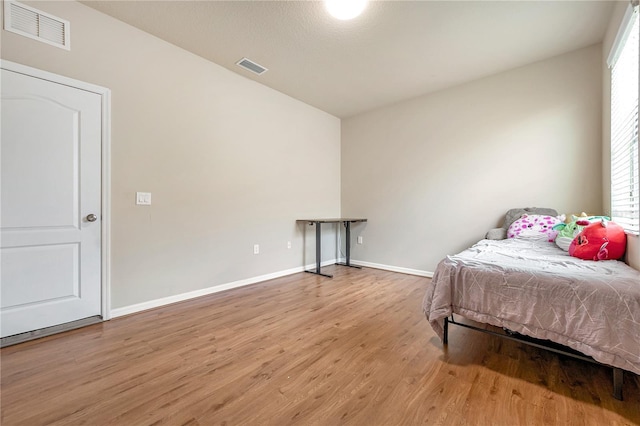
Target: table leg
319	252
347	262
318	246
348	232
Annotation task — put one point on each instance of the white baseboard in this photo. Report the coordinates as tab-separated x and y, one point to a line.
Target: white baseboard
409	271
138	307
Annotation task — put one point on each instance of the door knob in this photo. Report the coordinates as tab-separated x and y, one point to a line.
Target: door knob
92	217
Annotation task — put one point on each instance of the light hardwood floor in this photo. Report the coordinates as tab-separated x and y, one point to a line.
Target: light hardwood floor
302	349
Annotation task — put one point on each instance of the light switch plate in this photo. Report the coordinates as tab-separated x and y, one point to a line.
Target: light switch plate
143	198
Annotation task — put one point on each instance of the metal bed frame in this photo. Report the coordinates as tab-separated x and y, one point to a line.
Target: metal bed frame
618	373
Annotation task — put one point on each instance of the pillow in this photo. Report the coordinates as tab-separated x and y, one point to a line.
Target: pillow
568	231
535	226
514	214
599	241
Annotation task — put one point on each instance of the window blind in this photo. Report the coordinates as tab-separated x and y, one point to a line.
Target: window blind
625	181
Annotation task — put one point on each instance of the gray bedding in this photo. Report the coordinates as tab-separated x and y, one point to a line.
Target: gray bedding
534	288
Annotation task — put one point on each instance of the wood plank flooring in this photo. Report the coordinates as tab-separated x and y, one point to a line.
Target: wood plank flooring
304	350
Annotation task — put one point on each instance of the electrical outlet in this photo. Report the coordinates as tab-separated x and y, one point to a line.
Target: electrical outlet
143	198
288	244
256	249
359	239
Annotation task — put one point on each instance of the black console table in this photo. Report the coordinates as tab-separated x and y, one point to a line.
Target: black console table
318	222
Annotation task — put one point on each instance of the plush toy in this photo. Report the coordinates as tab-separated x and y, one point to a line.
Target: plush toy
535	226
599	241
568	231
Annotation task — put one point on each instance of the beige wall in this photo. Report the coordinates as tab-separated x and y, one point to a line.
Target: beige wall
433	174
229	162
633	242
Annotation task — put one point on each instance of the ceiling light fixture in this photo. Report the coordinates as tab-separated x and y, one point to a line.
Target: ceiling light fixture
345	9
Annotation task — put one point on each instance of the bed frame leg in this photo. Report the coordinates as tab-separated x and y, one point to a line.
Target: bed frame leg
445	335
618	377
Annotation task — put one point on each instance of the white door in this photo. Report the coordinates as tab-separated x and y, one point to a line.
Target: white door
50	182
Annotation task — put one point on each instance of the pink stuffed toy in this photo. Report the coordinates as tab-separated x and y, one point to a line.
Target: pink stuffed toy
599	241
534	226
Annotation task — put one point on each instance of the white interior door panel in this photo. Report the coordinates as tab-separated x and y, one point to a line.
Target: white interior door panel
50	183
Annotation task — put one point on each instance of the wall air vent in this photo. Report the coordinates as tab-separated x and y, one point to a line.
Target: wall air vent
33	23
248	64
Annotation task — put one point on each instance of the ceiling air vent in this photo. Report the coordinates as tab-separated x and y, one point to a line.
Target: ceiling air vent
33	23
251	66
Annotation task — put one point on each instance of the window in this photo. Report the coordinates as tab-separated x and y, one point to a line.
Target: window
625	182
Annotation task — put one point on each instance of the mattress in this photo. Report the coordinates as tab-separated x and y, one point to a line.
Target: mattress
534	288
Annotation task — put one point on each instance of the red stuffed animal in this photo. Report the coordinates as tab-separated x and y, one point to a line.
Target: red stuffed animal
599	241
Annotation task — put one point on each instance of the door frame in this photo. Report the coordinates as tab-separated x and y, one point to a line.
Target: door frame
105	95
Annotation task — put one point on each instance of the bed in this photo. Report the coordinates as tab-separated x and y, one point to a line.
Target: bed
535	289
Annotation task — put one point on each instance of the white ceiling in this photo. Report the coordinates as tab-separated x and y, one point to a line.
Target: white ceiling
394	51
